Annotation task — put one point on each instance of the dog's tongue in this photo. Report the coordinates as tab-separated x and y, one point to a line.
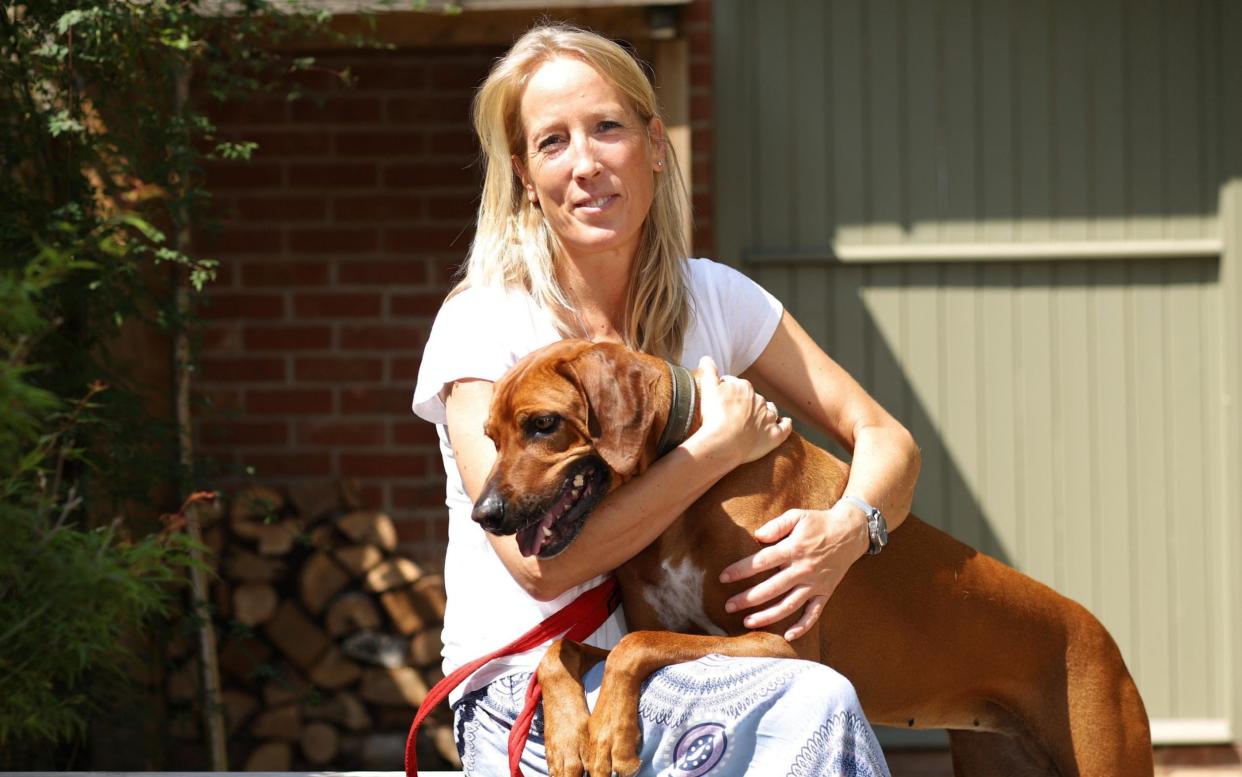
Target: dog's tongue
531	539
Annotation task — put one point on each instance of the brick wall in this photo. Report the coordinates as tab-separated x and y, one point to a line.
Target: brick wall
337	246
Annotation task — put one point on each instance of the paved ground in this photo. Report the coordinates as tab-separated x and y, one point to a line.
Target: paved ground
1170	762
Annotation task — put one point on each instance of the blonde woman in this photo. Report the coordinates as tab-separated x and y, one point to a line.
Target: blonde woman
579	235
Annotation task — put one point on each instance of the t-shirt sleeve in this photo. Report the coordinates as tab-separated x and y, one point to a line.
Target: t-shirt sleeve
466	341
732	304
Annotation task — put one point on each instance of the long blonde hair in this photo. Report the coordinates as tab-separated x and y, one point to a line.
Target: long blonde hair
513	246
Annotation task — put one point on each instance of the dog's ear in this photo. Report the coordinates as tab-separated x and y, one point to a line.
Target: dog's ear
620	409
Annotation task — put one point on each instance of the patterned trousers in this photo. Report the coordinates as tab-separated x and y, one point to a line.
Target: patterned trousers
716	716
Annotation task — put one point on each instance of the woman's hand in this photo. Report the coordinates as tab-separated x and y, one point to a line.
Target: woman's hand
739	425
813	549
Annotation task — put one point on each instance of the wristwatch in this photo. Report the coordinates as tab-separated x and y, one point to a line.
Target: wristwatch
877	527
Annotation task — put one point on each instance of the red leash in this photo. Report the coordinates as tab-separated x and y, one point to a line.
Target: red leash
576	620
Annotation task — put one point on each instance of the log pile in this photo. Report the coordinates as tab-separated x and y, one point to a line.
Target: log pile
329	639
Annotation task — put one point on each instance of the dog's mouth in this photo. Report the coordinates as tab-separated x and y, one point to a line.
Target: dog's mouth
556	526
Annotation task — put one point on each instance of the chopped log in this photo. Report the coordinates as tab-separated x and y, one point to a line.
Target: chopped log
270	757
441	737
393	687
400	607
278	723
380	752
183	683
238	707
222	599
392	573
334	670
425	647
243	566
372	647
351	612
242	656
359	559
315	499
320	742
277	539
432	675
350	746
253	508
254	603
178	646
369	527
394	718
343	709
286	685
296	636
323	537
430	596
320	580
185	723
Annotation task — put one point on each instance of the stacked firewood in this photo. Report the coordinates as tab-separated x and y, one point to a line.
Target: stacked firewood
328	639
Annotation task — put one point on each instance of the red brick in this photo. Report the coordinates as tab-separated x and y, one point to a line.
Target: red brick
382	465
699	37
358	143
350	109
375	400
219	339
380	337
401	240
457	76
699	11
337	369
700	105
385	76
414	433
403	369
420	111
384	273
324	79
225	176
424	304
242	305
223	277
701	73
423	174
241	369
295	142
287	338
242	240
371	494
460	141
411	530
430	495
333	174
458	207
244	433
341	305
285	273
288	464
219	400
372	208
332	240
341	433
262	110
294	401
274	208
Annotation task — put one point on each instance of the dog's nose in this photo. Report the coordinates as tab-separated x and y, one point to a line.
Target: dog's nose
489	512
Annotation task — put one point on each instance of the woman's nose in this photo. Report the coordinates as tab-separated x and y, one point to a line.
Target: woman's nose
586	160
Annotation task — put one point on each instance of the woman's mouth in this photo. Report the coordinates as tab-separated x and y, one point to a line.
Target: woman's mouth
597	204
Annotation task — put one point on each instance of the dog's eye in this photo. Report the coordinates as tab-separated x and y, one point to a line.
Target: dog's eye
543	424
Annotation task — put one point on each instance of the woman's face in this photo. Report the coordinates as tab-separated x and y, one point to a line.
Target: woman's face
590	162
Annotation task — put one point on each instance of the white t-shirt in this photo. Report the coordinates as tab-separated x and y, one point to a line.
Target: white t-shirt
481	333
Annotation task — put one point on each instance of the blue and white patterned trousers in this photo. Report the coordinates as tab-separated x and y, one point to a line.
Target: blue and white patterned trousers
717	716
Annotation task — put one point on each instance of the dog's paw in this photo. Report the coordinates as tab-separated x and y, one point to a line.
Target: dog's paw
613	744
565	747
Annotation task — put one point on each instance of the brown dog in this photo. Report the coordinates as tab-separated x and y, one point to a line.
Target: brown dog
932	633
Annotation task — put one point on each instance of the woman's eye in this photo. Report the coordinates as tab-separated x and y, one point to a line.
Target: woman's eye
548	142
609	124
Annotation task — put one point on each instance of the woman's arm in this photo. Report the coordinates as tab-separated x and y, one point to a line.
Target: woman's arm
814	547
736	428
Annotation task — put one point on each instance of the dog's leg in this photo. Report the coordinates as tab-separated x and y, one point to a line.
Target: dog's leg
613	732
989	754
564	705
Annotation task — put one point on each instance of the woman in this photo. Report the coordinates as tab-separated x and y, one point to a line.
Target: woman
579	235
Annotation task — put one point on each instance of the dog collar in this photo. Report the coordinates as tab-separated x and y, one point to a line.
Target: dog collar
680	408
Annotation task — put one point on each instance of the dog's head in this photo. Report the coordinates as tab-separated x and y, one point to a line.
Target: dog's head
571	422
